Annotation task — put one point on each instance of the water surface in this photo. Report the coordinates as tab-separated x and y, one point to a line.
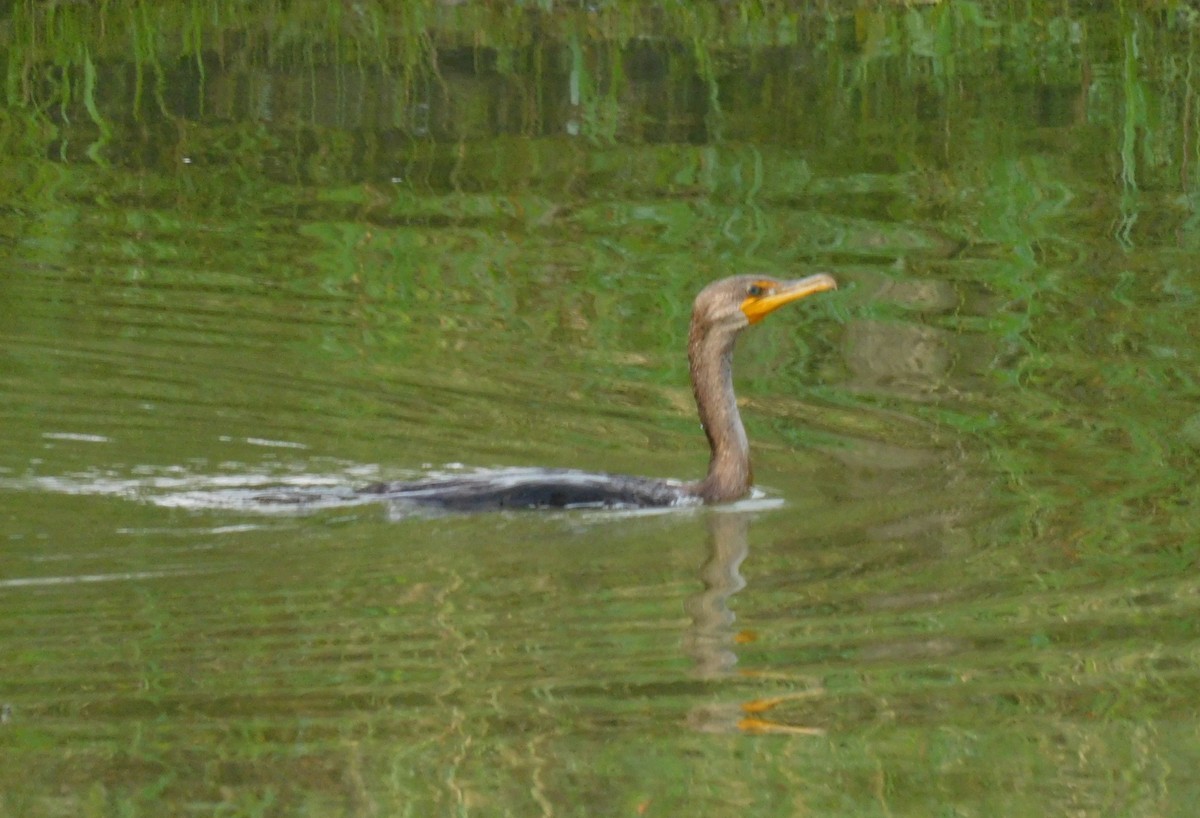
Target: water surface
304	254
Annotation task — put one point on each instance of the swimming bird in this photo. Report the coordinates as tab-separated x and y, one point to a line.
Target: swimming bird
721	311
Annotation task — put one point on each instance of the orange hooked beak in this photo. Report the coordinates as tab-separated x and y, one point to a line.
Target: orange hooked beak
775	295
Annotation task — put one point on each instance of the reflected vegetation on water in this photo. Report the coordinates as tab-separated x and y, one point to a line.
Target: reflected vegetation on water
295	249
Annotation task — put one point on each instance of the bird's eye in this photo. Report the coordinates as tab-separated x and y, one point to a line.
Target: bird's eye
755	290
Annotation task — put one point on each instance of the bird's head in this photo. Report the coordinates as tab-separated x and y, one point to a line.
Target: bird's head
737	302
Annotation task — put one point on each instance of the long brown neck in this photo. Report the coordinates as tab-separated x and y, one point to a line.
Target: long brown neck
710	354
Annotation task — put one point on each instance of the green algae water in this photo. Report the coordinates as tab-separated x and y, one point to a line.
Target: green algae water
304	247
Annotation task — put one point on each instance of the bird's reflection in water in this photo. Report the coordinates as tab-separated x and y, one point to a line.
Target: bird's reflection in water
712	639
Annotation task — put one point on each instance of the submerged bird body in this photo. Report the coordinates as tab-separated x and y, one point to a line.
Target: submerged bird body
534	488
721	311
